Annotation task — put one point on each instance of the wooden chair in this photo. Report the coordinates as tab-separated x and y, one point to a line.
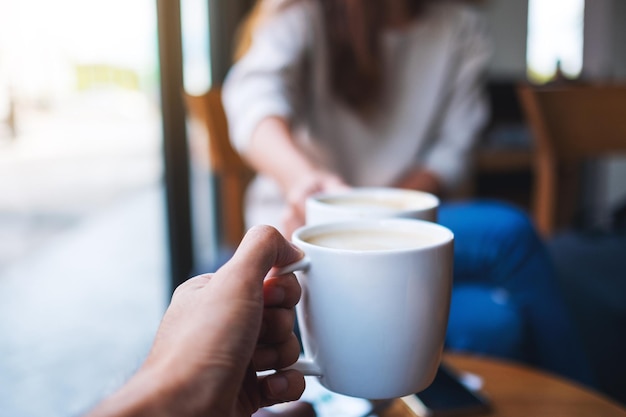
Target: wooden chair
569	123
211	145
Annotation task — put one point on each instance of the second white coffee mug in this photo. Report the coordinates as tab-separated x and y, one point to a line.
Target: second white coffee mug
371	203
374	309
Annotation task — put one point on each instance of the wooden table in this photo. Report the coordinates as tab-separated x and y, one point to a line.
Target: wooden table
520	391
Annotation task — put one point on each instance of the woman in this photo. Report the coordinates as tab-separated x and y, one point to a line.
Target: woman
337	93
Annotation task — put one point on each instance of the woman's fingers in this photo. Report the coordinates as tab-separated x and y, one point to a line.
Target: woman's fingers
291	220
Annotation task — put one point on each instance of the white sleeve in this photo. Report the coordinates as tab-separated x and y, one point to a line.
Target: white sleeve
266	81
466	109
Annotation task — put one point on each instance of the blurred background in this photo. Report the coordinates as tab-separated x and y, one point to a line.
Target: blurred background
103	209
81	200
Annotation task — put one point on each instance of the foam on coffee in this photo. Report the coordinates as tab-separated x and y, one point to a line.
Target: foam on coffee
370	239
390	202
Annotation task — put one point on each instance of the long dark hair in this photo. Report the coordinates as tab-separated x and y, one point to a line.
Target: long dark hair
353	36
353	32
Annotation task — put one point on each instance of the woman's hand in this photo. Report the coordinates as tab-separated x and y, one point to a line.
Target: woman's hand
316	182
273	152
421	180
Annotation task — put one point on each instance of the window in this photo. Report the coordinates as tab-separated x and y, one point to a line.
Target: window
196	49
555	39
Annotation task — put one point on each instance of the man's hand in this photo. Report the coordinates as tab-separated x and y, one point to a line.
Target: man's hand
218	331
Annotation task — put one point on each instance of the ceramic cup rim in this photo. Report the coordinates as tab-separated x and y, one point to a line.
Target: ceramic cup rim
444	236
430	201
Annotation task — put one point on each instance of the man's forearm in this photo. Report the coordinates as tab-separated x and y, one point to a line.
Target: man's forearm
144	395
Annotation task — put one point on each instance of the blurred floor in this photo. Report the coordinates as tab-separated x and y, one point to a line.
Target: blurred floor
78	315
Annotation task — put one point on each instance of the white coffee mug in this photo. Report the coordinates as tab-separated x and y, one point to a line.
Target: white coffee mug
371	203
374	309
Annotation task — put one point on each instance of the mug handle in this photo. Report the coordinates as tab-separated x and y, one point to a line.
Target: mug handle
300	265
304	364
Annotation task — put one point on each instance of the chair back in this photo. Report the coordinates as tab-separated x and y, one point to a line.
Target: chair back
230	173
570	124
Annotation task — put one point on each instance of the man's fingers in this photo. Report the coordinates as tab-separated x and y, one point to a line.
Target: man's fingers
264	247
294	409
276	356
281	291
261	248
277	326
283	386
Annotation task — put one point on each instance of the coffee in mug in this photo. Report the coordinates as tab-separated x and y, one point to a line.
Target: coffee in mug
370	240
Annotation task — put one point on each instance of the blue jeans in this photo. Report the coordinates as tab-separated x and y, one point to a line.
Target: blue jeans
506	301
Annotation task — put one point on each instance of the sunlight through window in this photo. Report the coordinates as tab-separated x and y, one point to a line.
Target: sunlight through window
196	48
555	38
